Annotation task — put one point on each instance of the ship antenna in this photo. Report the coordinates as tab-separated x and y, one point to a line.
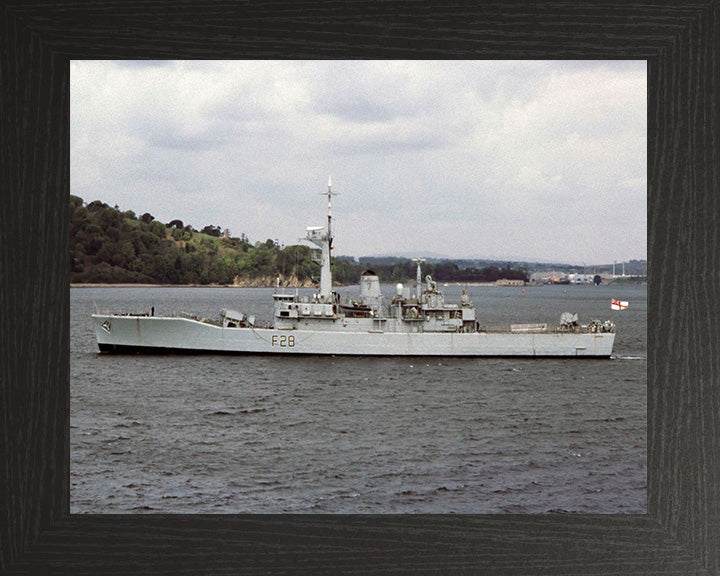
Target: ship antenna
419	276
326	245
330	194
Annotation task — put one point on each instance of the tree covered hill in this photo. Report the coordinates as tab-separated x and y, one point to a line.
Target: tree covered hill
110	246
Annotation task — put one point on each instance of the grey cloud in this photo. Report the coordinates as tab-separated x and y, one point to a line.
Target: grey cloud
163	136
387	143
462	158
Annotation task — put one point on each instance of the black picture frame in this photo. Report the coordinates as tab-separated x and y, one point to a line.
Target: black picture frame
680	534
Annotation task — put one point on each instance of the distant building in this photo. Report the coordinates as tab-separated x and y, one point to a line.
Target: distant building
506	282
581	278
549	277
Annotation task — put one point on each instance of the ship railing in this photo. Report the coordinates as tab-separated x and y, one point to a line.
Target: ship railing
133	314
493	329
528	328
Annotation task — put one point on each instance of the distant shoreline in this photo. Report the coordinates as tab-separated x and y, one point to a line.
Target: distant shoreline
129	285
259	285
262	285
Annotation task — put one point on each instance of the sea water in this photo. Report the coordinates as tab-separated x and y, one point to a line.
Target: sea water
266	434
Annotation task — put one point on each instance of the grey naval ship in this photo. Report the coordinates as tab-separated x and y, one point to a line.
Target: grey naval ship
414	323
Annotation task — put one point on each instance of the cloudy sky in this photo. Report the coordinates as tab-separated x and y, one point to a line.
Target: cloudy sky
465	159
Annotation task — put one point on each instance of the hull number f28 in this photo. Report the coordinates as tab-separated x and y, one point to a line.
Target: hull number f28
283	341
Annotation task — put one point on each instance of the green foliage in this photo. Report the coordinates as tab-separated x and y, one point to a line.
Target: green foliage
110	246
211	230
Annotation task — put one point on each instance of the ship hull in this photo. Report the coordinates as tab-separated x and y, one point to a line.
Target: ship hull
150	334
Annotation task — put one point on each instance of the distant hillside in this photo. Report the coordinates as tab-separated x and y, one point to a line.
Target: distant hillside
111	246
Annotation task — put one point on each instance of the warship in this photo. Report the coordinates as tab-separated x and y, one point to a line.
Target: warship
413	323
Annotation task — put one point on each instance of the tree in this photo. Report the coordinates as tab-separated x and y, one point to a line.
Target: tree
445	270
128	253
158	228
92	246
106	253
149	242
211	230
75	202
96	206
147	218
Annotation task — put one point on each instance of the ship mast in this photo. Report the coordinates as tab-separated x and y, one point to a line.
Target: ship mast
325	272
329	196
418	285
325	243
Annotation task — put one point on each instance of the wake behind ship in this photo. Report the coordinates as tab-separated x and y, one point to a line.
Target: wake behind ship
418	323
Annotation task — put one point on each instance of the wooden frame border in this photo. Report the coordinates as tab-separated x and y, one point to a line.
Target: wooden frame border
681	532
